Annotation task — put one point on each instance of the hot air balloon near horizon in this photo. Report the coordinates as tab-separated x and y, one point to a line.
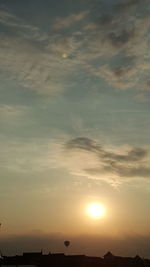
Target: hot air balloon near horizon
66	243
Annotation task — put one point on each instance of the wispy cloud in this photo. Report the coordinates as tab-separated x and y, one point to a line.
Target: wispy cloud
11	110
85	157
80	157
128	4
113	47
36	60
25	156
118	39
69	20
39	70
23	28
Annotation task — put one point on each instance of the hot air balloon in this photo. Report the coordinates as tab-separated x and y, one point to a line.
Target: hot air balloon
67	243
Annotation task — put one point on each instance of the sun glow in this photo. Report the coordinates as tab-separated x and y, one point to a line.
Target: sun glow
96	210
64	55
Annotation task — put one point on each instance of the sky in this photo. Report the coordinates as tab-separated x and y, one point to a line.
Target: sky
75	125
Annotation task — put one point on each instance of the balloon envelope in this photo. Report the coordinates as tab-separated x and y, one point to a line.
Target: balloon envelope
66	243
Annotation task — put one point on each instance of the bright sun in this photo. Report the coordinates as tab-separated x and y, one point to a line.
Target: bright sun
96	210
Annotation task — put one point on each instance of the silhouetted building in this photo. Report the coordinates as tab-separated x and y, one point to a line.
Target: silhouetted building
38	259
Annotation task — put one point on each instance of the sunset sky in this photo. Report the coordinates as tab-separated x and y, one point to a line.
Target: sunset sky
75	125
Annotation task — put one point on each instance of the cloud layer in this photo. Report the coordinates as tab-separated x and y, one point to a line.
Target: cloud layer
81	156
114	165
113	46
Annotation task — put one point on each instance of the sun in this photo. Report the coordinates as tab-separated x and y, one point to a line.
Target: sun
96	210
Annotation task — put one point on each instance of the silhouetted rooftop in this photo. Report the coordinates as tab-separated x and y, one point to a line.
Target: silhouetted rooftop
61	260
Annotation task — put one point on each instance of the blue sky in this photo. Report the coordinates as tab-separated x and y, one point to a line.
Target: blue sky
74	114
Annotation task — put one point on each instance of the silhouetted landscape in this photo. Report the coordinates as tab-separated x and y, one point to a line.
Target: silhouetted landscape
33	259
